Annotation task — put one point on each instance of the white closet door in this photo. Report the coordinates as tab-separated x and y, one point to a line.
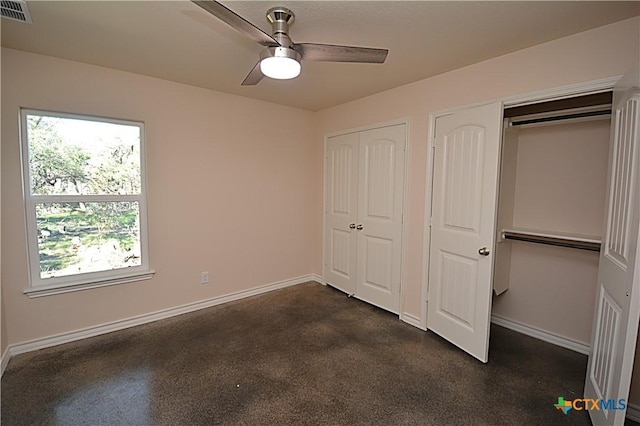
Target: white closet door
379	227
615	329
341	212
465	183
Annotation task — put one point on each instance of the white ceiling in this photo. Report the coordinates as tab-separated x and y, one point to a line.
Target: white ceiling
178	41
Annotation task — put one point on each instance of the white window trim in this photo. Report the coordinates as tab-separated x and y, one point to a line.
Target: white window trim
48	290
56	285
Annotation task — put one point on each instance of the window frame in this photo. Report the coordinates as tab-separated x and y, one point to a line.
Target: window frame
81	281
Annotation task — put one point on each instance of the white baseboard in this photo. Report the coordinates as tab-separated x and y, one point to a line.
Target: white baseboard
633	412
541	335
412	320
84	333
317	278
4	360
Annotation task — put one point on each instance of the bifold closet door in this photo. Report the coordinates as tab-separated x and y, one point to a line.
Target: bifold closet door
465	181
364	198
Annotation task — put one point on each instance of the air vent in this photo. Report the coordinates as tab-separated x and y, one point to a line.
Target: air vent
16	10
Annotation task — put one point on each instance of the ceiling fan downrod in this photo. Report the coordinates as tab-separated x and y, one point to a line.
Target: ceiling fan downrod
280	18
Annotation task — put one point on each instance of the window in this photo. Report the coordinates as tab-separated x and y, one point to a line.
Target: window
84	186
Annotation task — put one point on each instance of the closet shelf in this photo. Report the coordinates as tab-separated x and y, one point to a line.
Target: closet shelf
571	241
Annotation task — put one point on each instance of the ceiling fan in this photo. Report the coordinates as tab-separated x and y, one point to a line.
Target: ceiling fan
281	57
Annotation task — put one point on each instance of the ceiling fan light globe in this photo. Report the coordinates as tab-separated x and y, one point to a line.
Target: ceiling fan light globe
280	68
280	62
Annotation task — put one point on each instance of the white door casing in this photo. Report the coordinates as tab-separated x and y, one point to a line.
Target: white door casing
364	198
617	311
341	204
464	204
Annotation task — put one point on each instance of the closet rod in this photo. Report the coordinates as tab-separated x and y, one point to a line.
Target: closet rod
552	241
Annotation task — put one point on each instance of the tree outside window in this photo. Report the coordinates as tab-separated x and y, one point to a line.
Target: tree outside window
85	202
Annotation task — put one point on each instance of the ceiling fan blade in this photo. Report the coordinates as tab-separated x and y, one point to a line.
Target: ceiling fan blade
254	76
333	53
238	22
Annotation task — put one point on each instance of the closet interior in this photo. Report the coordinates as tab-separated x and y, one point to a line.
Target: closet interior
550	214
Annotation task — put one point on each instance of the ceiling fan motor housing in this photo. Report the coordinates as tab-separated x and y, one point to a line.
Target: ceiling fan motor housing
280	18
280	52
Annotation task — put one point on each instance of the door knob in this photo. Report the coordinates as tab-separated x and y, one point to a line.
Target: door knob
352	225
484	251
359	227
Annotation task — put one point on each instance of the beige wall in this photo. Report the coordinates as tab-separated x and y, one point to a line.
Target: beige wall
603	52
634	393
4	342
228	192
561	177
560	183
544	280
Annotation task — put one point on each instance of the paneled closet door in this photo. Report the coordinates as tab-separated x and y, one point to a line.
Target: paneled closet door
379	227
465	181
364	197
617	311
341	200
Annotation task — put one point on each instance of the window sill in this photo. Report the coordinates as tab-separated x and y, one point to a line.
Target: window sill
49	290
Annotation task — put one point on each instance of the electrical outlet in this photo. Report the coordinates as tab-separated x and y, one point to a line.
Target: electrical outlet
204	277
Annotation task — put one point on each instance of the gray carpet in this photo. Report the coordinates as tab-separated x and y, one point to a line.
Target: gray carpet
302	355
